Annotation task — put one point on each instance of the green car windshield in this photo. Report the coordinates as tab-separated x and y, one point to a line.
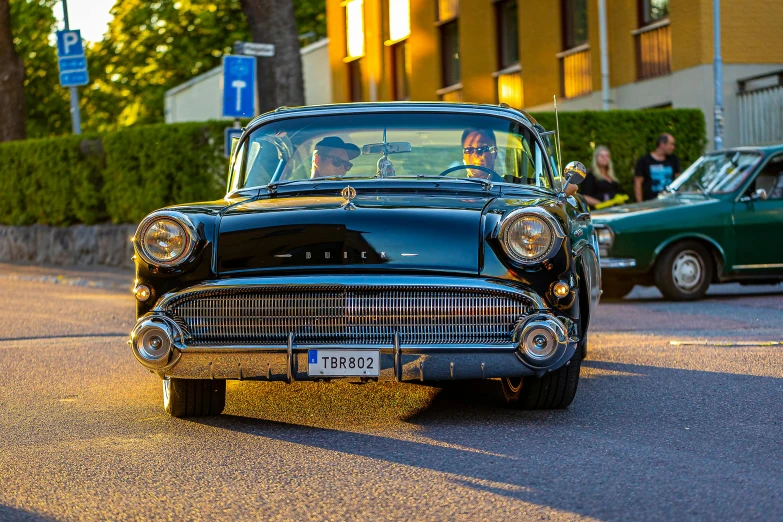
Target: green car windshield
719	173
406	146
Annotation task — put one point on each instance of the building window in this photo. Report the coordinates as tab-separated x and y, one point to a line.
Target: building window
447	10
508	33
653	40
354	28
449	53
400	59
574	23
652	10
399	20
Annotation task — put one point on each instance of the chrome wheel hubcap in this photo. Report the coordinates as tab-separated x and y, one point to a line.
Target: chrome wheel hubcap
687	270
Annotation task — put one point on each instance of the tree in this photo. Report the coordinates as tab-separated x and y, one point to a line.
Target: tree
150	48
311	17
279	77
12	122
47	109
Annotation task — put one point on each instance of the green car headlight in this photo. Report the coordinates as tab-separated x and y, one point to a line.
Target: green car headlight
605	236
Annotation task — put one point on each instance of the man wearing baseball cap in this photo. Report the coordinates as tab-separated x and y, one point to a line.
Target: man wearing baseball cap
332	156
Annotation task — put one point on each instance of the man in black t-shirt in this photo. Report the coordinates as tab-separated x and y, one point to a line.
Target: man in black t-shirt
656	170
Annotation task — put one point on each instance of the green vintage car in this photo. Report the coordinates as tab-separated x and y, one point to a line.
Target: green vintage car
720	221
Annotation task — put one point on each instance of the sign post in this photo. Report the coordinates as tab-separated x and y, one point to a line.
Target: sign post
239	93
73	66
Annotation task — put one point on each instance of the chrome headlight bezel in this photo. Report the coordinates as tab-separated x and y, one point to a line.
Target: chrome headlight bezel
555	229
180	220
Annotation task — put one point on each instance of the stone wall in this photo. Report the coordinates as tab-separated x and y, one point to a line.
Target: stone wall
78	245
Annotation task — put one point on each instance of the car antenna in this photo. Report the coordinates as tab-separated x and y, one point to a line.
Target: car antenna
557	128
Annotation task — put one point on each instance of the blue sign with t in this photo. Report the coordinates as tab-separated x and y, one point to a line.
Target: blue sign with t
71	59
239	86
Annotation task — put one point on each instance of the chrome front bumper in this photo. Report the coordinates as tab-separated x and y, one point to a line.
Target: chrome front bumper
400	361
614	262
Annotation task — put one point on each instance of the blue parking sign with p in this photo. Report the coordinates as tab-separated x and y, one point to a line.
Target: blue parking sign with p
71	59
239	86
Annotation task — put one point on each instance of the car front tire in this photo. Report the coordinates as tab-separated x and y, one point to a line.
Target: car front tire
684	271
194	397
616	289
555	390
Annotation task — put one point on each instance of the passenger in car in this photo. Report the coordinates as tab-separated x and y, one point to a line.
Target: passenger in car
331	157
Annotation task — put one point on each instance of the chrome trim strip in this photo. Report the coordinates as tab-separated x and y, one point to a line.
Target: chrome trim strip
747	267
612	262
350	280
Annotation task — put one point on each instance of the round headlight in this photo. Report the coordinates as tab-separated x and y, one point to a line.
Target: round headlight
529	236
165	239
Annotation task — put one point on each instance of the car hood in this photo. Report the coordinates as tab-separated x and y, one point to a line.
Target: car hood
377	231
636	211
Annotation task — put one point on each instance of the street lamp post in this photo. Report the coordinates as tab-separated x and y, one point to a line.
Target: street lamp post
718	74
76	118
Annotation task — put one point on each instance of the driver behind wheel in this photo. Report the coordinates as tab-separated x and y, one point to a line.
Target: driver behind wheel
479	147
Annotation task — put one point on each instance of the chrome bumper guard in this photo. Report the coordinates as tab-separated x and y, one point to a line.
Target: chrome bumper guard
526	355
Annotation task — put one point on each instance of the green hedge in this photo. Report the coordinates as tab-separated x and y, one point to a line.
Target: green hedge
629	135
117	177
121	176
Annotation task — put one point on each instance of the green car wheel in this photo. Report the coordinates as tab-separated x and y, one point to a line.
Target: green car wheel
684	271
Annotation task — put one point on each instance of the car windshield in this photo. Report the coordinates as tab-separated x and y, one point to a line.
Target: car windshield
719	173
406	146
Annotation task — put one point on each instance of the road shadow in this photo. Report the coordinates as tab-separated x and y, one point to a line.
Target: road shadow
638	442
13	514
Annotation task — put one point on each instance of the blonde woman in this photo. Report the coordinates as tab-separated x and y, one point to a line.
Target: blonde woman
600	184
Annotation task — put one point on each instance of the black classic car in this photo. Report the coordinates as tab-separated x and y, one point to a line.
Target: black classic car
416	242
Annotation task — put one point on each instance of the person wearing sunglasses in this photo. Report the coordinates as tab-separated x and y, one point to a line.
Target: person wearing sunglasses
332	157
479	147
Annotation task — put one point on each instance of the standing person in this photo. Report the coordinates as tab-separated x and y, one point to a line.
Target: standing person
600	184
656	170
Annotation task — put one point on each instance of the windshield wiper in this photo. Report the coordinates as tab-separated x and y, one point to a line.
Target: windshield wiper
483	182
273	186
702	189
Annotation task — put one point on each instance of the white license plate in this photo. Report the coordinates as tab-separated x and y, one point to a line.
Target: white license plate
344	363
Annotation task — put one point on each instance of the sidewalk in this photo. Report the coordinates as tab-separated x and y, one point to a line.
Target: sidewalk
94	276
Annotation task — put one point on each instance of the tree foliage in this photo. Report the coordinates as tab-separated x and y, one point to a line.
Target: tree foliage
151	47
47	104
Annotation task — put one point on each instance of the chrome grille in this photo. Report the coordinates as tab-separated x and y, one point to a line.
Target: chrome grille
348	315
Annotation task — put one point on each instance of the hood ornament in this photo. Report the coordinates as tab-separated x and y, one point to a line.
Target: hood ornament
349	194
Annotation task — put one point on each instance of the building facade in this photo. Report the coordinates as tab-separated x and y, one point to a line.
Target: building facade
522	52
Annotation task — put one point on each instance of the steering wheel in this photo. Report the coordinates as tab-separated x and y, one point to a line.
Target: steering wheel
494	176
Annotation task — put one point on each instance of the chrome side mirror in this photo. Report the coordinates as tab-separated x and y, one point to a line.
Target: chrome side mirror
574	173
757	194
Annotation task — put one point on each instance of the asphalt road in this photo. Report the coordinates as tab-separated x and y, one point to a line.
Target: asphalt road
658	431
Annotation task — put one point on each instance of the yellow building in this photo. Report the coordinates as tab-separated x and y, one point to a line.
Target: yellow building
522	52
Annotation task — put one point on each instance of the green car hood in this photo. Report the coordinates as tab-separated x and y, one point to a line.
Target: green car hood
659	212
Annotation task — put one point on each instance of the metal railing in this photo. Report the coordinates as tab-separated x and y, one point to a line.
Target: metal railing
653	50
509	85
575	71
761	116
